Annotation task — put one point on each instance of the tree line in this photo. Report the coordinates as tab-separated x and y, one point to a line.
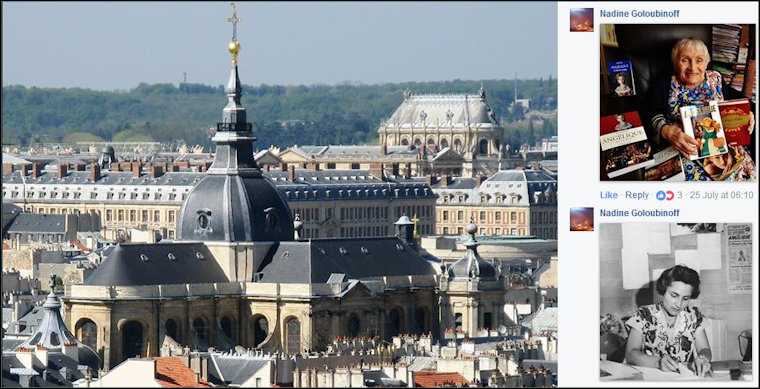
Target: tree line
281	115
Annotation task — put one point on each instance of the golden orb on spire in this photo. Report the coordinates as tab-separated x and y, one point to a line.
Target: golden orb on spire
234	47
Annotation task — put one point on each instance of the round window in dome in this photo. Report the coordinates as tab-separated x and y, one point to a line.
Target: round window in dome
203	222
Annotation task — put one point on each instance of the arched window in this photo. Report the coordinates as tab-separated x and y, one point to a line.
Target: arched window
458	322
405	142
172	330
458	145
444	143
132	339
420	321
394	322
483	147
87	332
353	325
260	330
199	331
293	336
226	326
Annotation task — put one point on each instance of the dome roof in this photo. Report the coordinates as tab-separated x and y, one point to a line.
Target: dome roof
472	265
53	334
232	208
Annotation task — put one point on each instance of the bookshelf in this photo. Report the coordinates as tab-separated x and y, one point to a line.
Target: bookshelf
733	55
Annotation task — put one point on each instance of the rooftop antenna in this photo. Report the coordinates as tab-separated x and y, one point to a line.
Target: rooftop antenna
184	77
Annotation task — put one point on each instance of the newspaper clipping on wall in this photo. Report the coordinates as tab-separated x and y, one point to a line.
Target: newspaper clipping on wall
739	258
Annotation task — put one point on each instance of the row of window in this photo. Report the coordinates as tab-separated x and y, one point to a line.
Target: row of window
133	215
54	194
483	231
512	198
492	216
544	217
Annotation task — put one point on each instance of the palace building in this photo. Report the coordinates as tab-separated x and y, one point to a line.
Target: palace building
240	274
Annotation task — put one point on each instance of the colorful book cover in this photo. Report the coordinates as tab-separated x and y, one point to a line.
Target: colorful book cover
667	166
735	117
621	78
624	143
702	122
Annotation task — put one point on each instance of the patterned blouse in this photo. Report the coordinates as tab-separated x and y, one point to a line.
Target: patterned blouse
660	338
681	96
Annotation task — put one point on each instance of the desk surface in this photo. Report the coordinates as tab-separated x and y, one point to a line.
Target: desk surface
613	371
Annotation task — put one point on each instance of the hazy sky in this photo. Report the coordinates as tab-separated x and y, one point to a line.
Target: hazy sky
109	45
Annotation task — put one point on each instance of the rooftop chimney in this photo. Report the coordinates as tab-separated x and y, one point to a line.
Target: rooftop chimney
283	166
156	171
445	181
291	173
429	180
174	167
24	170
63	169
136	168
94	171
7	168
80	167
36	169
479	179
384	149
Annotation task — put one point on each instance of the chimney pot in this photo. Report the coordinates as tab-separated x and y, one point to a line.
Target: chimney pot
36	170
62	170
94	171
291	173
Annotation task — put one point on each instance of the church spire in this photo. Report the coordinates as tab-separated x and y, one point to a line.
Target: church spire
234	139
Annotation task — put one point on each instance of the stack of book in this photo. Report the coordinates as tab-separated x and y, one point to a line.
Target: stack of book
726	42
727	55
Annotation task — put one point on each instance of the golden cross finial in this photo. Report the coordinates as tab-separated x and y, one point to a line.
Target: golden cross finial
416	231
234	20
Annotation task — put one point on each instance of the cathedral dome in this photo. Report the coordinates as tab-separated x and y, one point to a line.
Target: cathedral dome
234	202
472	265
232	208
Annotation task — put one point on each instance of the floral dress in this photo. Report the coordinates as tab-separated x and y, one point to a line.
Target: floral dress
661	338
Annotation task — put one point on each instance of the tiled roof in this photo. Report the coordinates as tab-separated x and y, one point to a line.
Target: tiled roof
433	379
172	373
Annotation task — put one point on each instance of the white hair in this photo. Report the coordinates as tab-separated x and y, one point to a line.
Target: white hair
690	43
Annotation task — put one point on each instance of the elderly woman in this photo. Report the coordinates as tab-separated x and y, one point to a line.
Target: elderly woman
691	84
671	333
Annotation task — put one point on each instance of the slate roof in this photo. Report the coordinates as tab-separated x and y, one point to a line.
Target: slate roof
308	185
542	320
108	178
36	223
150	264
235	369
314	261
10	211
464	109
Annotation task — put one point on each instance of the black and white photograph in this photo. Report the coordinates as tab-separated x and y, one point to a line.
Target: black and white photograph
675	305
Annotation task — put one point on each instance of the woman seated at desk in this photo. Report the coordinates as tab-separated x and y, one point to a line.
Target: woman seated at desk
671	332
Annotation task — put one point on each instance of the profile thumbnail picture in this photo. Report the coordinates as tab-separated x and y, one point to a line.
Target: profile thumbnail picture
581	219
582	19
676	301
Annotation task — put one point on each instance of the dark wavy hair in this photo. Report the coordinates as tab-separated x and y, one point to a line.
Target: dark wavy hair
681	273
